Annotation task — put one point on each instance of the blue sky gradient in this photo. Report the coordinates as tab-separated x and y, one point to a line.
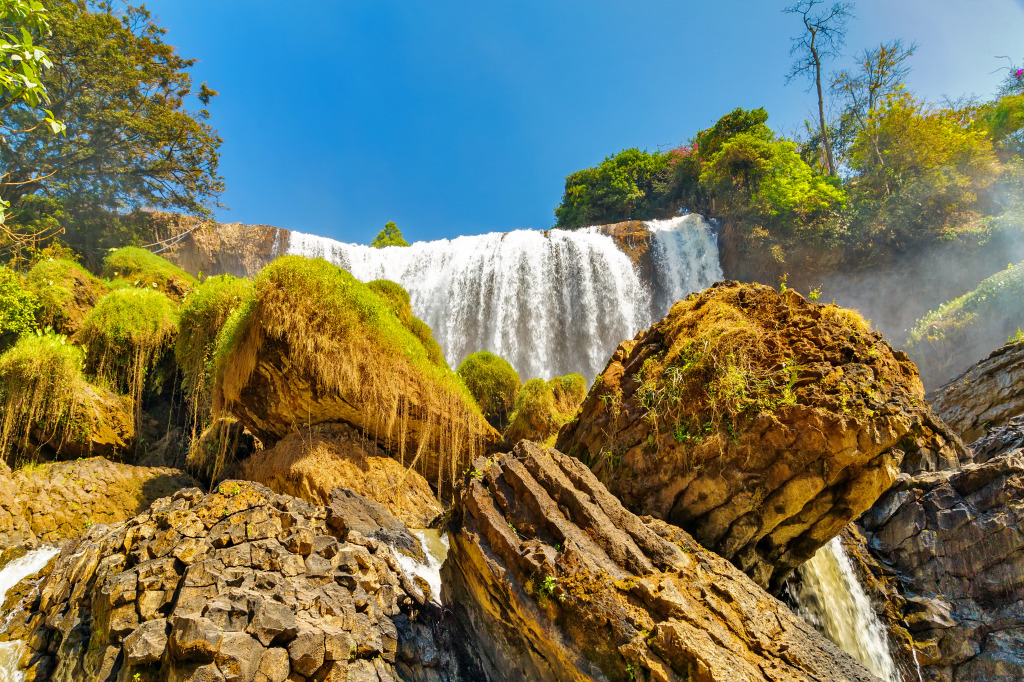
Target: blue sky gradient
453	117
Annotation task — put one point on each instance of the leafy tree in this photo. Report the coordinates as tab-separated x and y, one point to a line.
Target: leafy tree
822	38
22	63
624	186
131	139
389	236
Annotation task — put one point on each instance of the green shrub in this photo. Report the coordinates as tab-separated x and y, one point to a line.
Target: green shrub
17	307
140	268
126	338
203	314
66	292
389	236
542	407
397	299
493	382
41	387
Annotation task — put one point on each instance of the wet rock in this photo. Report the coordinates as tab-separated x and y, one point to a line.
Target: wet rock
757	421
989	394
121	599
552	579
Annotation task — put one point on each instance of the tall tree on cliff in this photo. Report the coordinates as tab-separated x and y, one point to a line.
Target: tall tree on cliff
131	139
821	40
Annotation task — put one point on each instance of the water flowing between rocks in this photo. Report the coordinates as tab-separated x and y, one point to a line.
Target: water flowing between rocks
12	574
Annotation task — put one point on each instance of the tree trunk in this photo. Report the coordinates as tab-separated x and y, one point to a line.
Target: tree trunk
830	162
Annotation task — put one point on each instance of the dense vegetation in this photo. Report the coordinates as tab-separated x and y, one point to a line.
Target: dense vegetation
493	382
542	407
909	174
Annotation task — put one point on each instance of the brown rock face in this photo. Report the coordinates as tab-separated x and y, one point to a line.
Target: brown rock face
954	539
987	395
52	502
552	579
759	422
241	584
316	460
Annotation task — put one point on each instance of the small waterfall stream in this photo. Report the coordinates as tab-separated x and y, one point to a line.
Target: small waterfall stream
549	302
12	574
831	598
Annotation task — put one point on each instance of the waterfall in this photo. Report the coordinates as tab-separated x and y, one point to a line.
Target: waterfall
549	302
831	598
12	574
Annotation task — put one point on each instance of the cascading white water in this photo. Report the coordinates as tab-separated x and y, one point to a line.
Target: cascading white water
831	598
435	547
12	574
549	302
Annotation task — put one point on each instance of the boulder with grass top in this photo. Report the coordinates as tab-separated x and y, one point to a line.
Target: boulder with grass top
757	421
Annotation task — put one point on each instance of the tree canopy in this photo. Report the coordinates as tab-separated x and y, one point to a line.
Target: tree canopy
389	236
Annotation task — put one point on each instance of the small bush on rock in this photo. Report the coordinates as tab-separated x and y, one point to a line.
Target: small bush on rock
66	292
141	268
542	407
17	307
397	298
493	382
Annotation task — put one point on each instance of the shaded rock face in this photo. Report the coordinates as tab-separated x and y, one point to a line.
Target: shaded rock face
552	579
242	584
955	540
47	503
111	431
987	395
315	460
758	422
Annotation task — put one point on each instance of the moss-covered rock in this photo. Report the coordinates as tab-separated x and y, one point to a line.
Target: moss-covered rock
145	270
127	336
316	345
963	331
757	421
49	409
494	383
397	298
66	293
542	407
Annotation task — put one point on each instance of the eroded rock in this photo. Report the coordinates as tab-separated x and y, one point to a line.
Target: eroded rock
552	579
757	421
238	585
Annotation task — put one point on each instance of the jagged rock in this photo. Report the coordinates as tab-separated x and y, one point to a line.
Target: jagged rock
552	579
988	394
757	421
999	440
238	585
313	461
46	503
955	541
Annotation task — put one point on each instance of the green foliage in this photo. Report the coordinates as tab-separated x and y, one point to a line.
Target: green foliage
41	387
66	292
389	236
132	139
542	407
622	187
17	307
494	384
203	314
126	337
398	301
569	392
145	270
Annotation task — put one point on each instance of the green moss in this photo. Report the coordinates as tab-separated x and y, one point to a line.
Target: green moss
17	307
493	382
41	387
203	314
397	299
542	407
126	336
140	268
66	292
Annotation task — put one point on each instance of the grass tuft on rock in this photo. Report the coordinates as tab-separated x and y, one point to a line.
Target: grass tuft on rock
397	299
542	407
140	268
494	383
348	339
41	388
66	292
126	337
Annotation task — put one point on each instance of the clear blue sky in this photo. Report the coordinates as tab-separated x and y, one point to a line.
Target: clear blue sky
464	117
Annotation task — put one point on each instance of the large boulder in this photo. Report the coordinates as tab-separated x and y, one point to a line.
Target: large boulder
757	421
986	395
954	540
313	461
238	585
47	503
551	578
315	345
